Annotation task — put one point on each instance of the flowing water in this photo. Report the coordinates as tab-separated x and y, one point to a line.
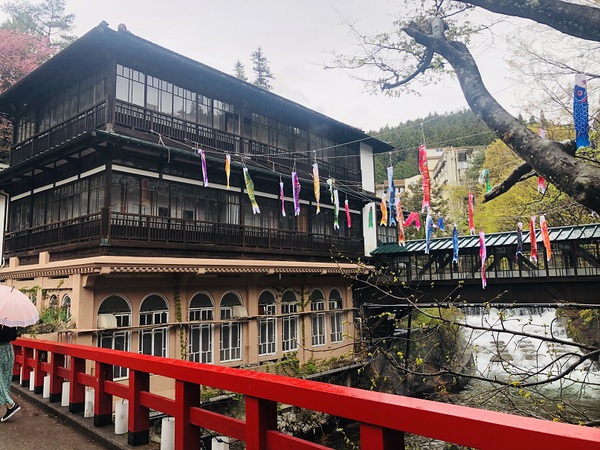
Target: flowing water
522	356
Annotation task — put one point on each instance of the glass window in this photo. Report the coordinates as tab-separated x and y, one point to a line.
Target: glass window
231	332
201	334
336	315
117	340
130	85
154	311
267	329
317	306
289	322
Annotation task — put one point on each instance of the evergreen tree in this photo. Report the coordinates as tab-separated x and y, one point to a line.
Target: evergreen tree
46	19
239	71
261	69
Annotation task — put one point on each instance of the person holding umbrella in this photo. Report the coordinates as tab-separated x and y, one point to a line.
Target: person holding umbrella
16	310
7	361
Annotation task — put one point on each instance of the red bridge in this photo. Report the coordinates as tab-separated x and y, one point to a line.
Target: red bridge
383	418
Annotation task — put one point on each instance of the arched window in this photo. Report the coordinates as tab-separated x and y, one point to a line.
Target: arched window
336	315
201	334
66	307
267	324
53	301
289	322
317	306
117	308
231	332
154	311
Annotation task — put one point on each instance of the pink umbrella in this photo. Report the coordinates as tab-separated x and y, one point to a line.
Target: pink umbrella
16	309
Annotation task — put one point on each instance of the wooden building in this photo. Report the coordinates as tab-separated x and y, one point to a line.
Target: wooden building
109	218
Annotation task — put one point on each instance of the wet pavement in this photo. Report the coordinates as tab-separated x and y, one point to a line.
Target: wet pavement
41	425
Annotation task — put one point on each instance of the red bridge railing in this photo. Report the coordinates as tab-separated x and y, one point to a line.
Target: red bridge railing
383	418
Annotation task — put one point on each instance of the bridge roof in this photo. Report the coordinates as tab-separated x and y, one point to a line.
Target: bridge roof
557	234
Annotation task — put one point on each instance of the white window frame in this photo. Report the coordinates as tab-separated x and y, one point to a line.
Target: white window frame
201	335
289	325
319	330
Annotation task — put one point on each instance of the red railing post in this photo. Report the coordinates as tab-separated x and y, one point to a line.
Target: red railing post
139	416
76	389
378	438
38	377
58	360
187	436
261	415
27	354
102	400
18	350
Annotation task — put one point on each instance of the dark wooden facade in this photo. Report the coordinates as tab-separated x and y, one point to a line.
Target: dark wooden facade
105	160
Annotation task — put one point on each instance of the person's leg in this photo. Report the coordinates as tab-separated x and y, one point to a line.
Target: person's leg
7	361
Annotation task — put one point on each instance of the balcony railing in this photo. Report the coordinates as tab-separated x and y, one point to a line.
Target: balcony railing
383	418
195	235
85	121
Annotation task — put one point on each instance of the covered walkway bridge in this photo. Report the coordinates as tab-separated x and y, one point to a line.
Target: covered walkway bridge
571	274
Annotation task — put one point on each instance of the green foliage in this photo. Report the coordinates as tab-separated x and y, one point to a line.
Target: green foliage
457	129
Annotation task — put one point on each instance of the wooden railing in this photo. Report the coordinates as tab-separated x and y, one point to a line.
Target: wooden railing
106	226
85	121
383	418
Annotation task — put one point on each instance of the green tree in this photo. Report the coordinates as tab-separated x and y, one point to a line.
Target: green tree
239	71
261	69
47	19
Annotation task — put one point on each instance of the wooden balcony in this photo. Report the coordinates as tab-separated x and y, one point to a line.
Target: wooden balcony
176	236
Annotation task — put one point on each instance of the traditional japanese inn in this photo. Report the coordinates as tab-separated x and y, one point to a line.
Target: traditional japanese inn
170	209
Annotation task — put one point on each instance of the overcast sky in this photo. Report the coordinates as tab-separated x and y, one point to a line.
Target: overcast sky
296	37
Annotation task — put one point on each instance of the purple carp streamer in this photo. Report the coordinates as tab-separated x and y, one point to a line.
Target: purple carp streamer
428	232
392	195
455	245
204	172
580	111
317	186
250	191
296	192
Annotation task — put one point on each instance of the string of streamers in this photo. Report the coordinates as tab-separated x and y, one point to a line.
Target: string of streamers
484	178
296	192
336	209
471	223
413	217
533	239
545	237
383	208
424	170
428	232
519	238
455	245
317	186
580	111
227	167
400	220
282	197
250	191
348	218
483	257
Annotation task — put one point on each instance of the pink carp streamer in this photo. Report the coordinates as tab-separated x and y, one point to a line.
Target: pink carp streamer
424	169
383	208
471	223
227	167
282	198
317	186
250	191
545	237
413	217
348	218
483	257
533	239
296	192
